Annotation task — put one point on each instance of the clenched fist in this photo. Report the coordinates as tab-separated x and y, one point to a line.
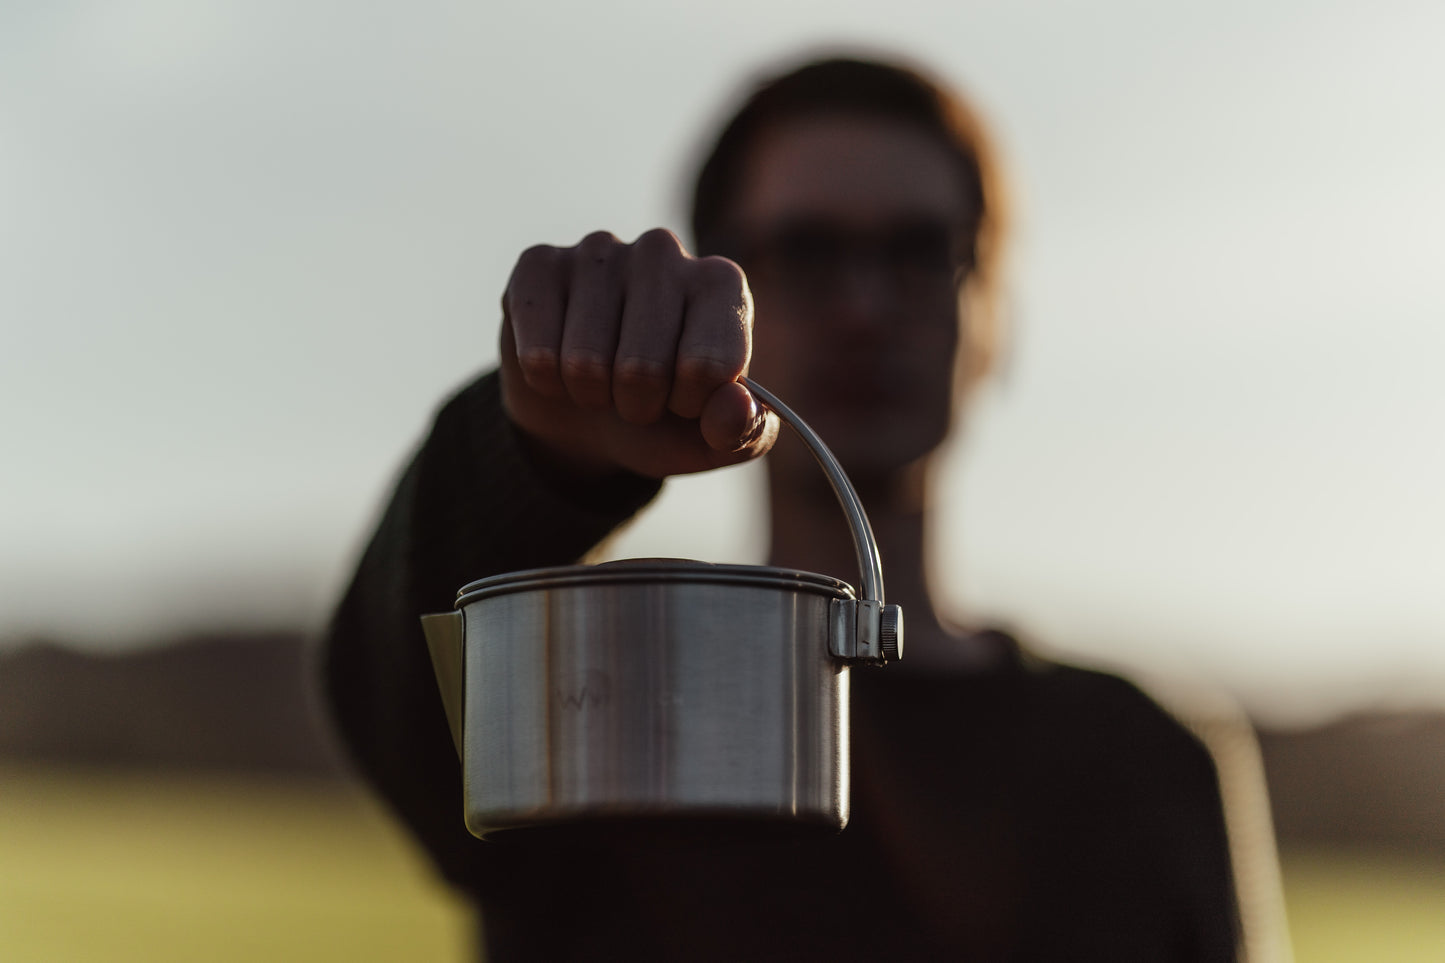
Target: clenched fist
622	356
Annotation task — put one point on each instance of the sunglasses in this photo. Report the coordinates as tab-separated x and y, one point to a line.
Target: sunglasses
814	256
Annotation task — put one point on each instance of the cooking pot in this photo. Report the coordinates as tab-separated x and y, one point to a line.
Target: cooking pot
662	689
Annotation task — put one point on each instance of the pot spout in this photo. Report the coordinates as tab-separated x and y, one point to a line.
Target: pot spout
444	639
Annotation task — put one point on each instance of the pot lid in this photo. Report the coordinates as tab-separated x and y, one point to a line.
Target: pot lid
633	571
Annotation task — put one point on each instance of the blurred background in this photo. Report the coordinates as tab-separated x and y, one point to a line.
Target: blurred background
246	248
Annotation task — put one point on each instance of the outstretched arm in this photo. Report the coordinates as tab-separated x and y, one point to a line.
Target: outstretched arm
619	366
471	504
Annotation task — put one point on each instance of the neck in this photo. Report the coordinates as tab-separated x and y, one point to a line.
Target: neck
809	532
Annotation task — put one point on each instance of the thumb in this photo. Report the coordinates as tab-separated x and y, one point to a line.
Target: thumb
736	425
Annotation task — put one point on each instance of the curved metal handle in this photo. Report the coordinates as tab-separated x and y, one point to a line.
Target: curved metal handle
870	565
865	629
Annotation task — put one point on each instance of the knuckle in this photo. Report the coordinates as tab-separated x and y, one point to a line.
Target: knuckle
584	367
640	375
657	244
537	361
599	246
720	273
533	272
707	368
538	257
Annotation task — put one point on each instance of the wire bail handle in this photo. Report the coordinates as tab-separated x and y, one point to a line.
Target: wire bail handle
870	630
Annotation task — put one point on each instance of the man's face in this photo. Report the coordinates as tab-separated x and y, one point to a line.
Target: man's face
852	236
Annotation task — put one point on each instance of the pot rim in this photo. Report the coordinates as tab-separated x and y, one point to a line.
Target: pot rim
654	571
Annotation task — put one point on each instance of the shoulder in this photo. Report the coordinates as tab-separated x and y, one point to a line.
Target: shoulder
1100	698
1088	719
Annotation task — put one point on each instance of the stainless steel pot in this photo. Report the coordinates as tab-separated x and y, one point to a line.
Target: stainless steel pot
662	688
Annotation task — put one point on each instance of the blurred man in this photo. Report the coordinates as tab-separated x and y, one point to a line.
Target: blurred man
1004	808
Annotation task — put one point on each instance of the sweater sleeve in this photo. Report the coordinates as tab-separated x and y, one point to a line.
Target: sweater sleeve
471	504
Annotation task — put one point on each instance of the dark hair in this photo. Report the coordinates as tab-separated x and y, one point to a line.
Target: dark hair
848	86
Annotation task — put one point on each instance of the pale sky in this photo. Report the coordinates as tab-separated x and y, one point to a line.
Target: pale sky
246	248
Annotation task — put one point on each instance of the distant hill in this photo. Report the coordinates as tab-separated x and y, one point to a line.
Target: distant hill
1368	779
244	702
249	702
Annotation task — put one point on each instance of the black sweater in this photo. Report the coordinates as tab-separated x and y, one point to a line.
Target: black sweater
1030	812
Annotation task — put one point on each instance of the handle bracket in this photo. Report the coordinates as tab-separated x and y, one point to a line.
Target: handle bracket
864	630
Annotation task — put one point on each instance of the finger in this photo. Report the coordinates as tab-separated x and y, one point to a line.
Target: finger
507	349
736	426
673	445
652	317
590	326
533	307
716	340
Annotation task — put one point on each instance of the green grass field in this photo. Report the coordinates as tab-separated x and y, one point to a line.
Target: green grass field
116	867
